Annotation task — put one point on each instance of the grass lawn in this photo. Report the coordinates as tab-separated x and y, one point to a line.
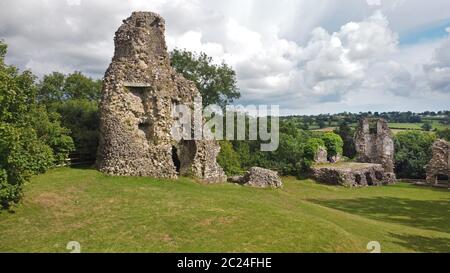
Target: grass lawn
117	214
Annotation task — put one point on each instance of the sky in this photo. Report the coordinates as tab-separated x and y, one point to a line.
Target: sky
307	56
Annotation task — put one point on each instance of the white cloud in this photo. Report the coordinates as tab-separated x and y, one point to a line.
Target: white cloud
340	61
323	55
438	70
373	2
73	2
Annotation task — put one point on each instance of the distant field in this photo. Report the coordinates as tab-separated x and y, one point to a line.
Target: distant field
126	214
327	129
395	127
406	126
437	125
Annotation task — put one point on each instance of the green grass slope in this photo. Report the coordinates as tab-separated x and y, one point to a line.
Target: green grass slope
117	214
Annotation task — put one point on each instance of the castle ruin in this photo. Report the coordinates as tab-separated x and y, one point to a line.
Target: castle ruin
440	162
374	144
140	90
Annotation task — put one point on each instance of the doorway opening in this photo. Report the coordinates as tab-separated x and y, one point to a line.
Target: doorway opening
176	159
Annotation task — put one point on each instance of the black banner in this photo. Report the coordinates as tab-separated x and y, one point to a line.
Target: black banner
221	262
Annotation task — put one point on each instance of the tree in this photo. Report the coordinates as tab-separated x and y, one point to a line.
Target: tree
427	126
288	158
57	87
321	123
50	131
347	134
74	98
412	153
216	83
31	141
51	88
22	154
78	86
304	126
81	116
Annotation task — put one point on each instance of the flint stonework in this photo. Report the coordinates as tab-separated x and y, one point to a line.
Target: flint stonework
140	91
374	144
258	178
352	174
439	164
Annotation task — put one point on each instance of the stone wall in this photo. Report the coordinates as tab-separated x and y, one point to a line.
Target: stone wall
439	163
321	155
374	143
140	89
352	174
258	178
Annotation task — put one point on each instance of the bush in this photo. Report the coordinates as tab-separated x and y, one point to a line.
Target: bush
228	159
22	154
9	193
288	158
311	148
444	134
427	126
333	143
413	152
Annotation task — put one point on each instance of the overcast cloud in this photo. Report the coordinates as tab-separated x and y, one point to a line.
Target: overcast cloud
308	56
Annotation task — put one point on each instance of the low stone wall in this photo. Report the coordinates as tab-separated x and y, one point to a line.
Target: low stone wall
258	178
352	174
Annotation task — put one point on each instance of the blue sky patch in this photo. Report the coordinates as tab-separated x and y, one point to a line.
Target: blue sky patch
425	33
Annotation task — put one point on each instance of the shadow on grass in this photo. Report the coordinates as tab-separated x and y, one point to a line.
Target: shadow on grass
432	215
423	244
84	167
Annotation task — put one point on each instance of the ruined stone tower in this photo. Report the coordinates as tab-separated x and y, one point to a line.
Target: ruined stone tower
374	143
140	89
439	164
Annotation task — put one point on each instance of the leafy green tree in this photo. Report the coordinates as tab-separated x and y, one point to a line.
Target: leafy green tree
81	116
30	140
57	87
427	126
216	83
51	88
74	98
289	156
347	135
21	155
412	153
243	150
321	123
305	126
78	86
49	130
333	143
